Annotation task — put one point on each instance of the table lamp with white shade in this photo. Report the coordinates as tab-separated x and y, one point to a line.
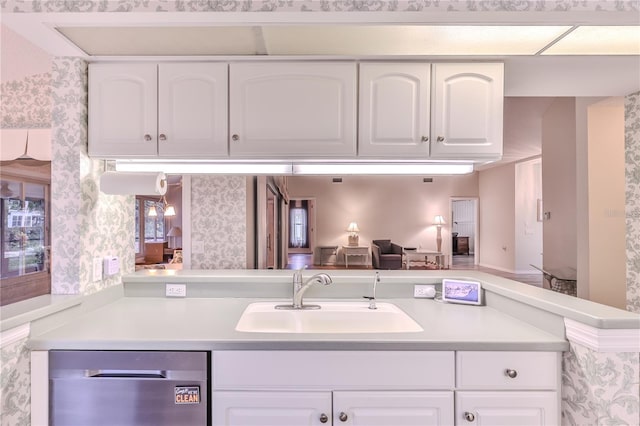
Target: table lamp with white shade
174	232
439	221
353	234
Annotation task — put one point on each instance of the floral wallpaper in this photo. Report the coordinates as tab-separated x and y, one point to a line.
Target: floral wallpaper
600	388
218	219
15	404
85	222
632	160
16	113
314	6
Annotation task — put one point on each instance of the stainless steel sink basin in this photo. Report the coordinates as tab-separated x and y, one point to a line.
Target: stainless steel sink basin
332	317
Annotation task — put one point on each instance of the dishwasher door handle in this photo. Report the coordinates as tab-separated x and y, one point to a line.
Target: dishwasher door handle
125	374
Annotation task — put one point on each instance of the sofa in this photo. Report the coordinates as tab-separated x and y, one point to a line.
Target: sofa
386	255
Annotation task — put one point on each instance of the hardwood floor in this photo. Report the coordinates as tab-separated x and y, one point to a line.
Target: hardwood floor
460	262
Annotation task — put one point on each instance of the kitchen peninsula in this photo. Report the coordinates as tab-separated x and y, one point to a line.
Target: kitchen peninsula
466	353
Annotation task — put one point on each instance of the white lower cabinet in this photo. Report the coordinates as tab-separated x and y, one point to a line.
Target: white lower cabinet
377	408
276	408
391	408
506	408
385	388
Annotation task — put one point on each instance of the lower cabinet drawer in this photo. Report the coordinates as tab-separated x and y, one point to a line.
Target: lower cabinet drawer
333	370
507	370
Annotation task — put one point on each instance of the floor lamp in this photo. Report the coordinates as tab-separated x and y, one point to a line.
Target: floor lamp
439	221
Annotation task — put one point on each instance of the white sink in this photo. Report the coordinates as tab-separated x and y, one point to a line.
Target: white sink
332	317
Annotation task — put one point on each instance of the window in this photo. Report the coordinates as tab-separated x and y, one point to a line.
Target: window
151	227
24	238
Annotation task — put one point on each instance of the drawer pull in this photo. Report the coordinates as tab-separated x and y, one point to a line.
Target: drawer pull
469	416
343	417
511	373
147	137
425	139
323	418
235	138
440	139
162	137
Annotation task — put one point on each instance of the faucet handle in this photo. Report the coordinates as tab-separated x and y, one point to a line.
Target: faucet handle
372	301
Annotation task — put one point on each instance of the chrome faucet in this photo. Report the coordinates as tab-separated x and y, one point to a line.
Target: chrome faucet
372	299
300	287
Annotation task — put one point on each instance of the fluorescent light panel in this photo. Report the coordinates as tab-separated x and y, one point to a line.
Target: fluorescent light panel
598	40
409	39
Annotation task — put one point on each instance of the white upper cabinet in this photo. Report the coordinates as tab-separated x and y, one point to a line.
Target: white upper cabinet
394	109
467	110
123	118
165	110
301	109
192	110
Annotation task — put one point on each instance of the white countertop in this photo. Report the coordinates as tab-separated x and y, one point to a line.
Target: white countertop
209	324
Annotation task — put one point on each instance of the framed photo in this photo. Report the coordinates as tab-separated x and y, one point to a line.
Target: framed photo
462	291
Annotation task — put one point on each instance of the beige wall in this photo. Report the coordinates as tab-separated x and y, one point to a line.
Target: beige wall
606	211
559	184
397	207
497	217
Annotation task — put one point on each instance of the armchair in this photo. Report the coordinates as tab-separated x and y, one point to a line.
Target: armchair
386	255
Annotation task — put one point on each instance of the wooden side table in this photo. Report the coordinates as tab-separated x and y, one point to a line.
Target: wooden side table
356	251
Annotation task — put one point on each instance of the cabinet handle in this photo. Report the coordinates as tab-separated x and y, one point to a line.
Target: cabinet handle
162	137
235	138
147	137
425	139
440	139
323	418
469	416
511	373
343	417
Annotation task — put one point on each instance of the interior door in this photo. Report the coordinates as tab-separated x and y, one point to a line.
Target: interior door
272	235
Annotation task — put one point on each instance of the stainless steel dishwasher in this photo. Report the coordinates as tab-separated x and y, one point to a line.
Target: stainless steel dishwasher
127	388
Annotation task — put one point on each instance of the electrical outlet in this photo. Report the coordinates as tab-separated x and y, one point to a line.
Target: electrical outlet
176	290
97	269
425	291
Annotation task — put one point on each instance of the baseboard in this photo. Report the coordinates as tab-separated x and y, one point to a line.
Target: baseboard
497	268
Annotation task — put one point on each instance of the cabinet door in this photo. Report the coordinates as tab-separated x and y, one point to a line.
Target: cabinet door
467	111
192	110
507	408
394	109
393	408
122	110
271	408
292	109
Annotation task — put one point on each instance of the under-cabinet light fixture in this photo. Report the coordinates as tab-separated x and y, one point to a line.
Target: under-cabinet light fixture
204	167
294	168
382	168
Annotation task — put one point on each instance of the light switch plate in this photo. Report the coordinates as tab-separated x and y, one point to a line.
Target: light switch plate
176	290
97	269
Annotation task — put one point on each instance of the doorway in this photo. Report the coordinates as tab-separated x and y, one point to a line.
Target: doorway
301	231
464	232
